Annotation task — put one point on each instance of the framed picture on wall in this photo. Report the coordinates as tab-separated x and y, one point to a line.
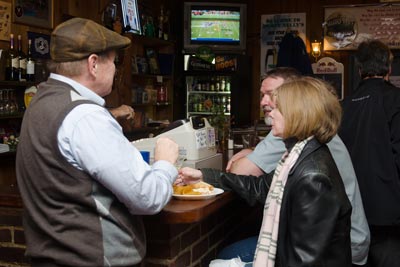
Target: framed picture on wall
130	16
34	13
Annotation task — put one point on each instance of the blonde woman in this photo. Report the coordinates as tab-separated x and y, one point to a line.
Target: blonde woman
307	213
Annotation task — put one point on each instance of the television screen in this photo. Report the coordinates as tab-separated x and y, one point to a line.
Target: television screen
221	26
215	25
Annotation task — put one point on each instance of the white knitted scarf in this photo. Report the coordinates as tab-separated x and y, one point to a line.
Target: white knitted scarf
268	238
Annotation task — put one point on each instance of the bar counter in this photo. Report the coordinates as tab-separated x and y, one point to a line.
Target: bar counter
186	233
192	211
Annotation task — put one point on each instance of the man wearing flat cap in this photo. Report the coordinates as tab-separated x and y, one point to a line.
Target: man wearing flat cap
83	184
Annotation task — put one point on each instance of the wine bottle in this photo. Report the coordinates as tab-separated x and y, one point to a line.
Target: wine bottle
166	27
12	62
161	23
30	64
22	61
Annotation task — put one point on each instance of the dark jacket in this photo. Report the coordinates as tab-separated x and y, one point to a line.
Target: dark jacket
370	130
314	226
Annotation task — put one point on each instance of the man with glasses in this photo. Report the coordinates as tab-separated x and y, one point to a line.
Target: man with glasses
268	152
83	184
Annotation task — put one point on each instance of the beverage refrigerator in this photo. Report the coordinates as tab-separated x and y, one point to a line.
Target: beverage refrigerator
216	86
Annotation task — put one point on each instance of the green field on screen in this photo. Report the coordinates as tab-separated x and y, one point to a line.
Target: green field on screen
209	27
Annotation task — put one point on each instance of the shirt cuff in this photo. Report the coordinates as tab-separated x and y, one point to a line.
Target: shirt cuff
164	165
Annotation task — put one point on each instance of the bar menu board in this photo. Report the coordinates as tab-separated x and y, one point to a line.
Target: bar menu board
345	27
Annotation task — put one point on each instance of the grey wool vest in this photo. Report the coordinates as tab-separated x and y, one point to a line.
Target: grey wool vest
69	218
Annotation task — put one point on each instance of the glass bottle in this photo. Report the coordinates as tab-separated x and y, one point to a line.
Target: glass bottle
2	103
166	26
21	61
162	94
222	86
228	105
30	64
228	84
161	24
12	62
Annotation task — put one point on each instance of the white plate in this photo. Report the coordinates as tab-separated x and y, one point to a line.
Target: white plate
214	193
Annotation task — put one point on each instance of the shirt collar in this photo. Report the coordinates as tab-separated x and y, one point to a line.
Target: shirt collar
82	90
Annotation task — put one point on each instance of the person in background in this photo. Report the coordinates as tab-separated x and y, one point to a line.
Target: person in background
306	218
123	112
371	131
84	185
266	156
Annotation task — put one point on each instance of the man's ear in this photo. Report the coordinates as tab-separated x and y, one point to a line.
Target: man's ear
92	64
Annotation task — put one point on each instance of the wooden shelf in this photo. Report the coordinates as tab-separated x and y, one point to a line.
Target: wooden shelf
152	104
150	76
210	92
18	115
9	154
14	84
205	113
149	41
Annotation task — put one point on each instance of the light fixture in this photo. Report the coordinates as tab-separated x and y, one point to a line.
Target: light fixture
316	50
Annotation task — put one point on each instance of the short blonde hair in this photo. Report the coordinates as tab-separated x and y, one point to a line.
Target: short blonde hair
309	107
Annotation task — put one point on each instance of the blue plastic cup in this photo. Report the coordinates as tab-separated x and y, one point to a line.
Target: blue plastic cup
146	156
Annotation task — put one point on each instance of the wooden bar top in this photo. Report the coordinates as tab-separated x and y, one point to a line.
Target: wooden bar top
191	211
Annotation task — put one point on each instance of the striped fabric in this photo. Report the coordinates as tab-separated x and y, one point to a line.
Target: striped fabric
268	237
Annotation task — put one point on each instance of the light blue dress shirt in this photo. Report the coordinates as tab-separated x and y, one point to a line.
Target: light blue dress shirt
91	140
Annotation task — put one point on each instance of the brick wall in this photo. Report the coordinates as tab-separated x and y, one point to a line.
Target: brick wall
12	240
169	245
195	245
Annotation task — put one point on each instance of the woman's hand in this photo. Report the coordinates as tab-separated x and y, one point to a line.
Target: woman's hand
188	175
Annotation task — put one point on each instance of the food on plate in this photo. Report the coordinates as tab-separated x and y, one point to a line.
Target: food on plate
200	188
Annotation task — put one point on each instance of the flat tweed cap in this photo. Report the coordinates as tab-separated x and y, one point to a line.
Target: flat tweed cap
77	38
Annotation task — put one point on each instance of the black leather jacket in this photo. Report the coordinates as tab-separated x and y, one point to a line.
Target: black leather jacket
314	227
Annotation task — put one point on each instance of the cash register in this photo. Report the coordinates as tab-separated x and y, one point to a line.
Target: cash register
195	136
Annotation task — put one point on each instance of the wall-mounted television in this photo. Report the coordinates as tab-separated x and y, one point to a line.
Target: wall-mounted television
221	26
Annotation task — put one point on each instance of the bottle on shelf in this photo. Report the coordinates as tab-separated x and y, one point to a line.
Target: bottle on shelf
143	23
228	84
30	64
228	105
150	30
230	144
21	61
212	84
217	84
166	26
161	23
222	86
12	63
162	93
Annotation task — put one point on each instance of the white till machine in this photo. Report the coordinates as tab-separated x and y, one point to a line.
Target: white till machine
195	136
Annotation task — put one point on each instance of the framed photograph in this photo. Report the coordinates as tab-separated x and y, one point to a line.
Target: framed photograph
40	45
5	21
152	58
34	13
131	16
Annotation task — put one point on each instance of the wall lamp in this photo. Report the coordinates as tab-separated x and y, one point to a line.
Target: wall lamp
316	50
